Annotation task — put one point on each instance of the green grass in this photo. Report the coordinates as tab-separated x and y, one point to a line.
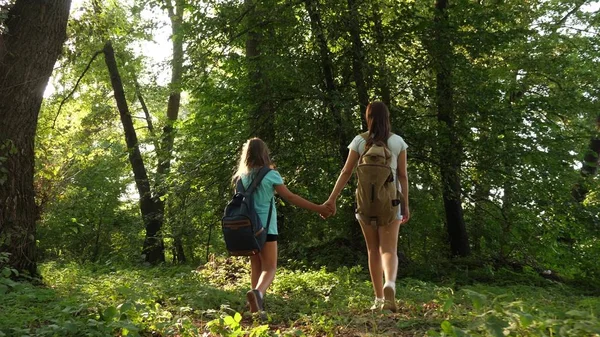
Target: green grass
94	300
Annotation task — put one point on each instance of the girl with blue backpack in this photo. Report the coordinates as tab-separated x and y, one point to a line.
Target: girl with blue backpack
254	156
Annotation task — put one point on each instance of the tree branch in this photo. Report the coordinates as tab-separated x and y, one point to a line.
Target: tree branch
75	87
138	93
566	17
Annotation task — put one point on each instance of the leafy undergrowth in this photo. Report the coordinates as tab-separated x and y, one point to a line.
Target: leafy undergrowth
94	300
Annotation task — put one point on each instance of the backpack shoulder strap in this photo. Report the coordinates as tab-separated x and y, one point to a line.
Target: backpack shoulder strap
256	181
365	137
269	217
239	185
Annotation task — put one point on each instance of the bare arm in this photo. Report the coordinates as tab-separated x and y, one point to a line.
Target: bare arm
297	200
343	178
403	179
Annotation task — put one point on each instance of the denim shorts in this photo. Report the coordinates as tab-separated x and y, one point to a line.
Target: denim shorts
398	215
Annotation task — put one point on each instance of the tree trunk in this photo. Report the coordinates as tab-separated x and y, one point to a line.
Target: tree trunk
481	195
481	179
31	43
590	165
261	112
178	251
166	150
590	161
150	207
178	227
96	250
138	94
507	214
358	60
382	68
449	143
507	162
331	96
331	93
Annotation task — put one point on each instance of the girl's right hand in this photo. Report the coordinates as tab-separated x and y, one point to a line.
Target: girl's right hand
330	204
324	211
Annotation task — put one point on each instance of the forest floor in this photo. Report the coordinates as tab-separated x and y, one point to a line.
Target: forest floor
106	300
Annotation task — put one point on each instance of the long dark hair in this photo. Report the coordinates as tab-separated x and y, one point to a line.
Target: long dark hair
255	154
378	122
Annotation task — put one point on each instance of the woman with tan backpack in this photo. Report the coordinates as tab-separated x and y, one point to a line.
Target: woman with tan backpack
381	197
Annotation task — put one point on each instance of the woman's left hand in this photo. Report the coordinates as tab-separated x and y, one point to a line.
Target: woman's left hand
405	216
331	205
324	212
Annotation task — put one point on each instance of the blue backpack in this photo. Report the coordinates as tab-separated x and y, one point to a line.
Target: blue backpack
242	229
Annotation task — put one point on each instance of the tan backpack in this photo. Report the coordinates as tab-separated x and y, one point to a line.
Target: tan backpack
377	197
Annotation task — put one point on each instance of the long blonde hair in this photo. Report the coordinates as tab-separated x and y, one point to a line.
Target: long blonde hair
255	154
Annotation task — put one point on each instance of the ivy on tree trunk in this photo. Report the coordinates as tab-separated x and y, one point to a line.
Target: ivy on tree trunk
31	42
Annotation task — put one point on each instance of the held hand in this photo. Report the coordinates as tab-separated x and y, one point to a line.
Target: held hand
331	205
324	211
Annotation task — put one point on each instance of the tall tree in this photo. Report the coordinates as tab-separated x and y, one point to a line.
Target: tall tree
32	41
175	11
382	68
165	152
592	156
261	114
331	94
358	59
449	143
590	163
149	205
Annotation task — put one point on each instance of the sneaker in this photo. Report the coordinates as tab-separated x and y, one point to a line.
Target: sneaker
377	304
389	295
255	300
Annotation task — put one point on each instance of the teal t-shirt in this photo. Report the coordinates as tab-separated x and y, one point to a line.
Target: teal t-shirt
263	196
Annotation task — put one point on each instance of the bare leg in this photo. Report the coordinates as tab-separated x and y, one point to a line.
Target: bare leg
268	259
372	241
263	267
255	270
388	248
